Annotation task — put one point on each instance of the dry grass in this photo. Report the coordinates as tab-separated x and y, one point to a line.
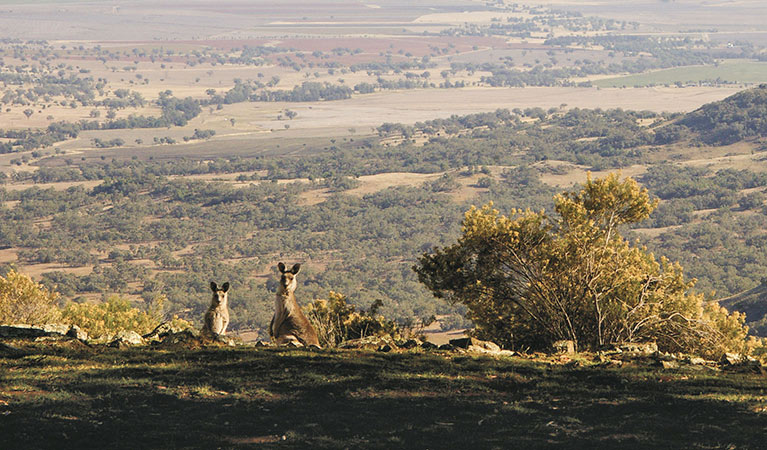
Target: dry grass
62	186
740	161
577	174
37	270
72	395
374	183
8	255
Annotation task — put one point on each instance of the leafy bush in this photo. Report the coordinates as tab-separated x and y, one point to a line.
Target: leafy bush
530	280
22	301
101	320
337	321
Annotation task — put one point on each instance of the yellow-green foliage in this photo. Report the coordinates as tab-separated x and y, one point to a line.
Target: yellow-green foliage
529	279
26	302
110	317
336	321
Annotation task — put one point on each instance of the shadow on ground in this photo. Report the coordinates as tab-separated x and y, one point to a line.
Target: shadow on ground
273	398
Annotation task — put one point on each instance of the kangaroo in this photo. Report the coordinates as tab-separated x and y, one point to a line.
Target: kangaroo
289	325
217	317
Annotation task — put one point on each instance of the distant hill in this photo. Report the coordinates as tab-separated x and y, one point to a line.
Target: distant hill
754	304
738	117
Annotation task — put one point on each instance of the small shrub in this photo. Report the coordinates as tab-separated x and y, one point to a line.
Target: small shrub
23	301
105	319
337	321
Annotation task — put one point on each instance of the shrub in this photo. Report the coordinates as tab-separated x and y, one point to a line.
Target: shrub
337	321
24	301
102	320
530	279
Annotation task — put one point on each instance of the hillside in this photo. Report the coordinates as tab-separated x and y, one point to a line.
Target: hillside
738	117
753	303
359	211
69	395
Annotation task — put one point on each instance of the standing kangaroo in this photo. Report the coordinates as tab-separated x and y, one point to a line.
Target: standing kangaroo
217	317
289	325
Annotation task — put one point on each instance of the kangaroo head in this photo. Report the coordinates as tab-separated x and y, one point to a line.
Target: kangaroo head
288	280
219	293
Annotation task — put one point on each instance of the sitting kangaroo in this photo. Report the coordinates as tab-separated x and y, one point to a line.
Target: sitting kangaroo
290	325
217	317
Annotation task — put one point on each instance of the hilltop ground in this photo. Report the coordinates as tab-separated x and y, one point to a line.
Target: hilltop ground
70	395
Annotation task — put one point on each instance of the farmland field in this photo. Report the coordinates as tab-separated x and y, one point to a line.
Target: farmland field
730	72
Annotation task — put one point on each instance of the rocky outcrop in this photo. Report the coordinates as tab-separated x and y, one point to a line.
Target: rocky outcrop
380	343
167	330
641	348
77	333
429	346
9	351
409	343
59	331
735	362
126	339
473	345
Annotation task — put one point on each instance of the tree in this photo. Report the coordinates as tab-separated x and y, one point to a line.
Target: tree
28	112
24	301
530	280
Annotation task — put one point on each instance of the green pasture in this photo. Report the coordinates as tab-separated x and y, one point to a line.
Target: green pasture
733	72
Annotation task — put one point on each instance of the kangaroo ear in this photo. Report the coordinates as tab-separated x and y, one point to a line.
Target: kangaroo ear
213	286
225	286
281	267
296	268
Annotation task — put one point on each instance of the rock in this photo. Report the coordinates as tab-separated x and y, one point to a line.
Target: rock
741	363
731	359
9	351
77	333
696	361
669	364
475	345
369	343
447	347
32	331
56	328
263	344
489	346
231	341
126	338
567	347
644	348
428	346
464	343
186	338
164	330
410	343
384	348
